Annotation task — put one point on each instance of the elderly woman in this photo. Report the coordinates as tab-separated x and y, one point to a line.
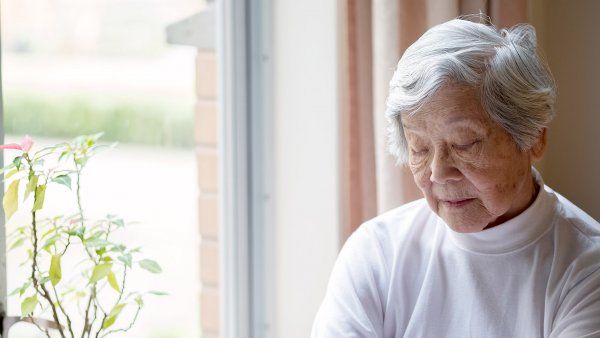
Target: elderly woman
490	251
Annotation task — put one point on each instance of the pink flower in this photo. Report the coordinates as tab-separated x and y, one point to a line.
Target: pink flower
26	143
24	146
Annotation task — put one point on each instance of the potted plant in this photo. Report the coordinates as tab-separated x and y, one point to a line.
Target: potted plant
78	272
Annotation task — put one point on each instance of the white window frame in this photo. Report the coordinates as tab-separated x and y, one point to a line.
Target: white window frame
246	235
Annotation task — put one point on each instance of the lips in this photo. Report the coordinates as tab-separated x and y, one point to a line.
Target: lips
457	203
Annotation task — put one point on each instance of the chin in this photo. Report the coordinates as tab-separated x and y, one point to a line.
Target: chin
463	218
462	225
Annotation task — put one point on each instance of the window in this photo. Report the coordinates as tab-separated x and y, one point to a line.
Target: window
82	67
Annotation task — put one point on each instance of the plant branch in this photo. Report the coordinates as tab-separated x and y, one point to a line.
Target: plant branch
34	279
116	303
39	327
79	206
86	324
62	309
137	312
66	246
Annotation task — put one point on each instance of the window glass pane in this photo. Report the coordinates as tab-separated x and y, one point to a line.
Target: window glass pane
73	67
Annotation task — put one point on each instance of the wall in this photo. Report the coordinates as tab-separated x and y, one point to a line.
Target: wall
206	137
568	33
306	183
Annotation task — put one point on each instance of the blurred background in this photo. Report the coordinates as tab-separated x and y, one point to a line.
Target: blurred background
299	87
82	67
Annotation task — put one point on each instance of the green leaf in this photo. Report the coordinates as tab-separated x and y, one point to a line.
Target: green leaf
119	222
17	161
21	289
96	242
48	232
40	193
55	270
64	154
38	163
31	184
139	300
10	173
28	305
126	259
64	180
7	168
50	241
10	202
117	309
112	280
81	161
79	232
96	235
24	288
100	271
150	265
118	248
17	243
158	293
112	316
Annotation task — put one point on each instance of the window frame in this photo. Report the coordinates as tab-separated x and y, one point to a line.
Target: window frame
245	148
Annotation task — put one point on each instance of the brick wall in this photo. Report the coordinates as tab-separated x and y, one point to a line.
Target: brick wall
206	136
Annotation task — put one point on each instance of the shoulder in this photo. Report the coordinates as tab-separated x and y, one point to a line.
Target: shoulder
577	263
576	237
581	229
577	218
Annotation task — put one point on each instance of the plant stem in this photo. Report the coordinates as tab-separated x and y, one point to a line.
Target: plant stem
79	169
44	293
137	312
116	303
40	328
86	323
62	309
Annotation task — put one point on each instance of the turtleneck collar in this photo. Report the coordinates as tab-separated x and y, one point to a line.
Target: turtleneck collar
515	233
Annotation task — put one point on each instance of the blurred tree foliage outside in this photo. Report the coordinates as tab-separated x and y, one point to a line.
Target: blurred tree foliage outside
142	120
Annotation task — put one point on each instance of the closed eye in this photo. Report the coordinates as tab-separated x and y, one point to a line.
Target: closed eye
419	152
467	146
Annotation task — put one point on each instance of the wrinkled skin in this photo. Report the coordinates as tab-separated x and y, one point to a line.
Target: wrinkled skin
470	170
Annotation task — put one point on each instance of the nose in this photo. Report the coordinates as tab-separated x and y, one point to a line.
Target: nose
443	168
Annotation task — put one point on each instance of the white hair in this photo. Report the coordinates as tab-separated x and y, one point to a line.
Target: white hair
515	85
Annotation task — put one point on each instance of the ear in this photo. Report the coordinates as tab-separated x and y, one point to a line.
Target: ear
538	148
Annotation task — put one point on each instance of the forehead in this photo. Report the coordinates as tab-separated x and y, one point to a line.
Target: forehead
450	105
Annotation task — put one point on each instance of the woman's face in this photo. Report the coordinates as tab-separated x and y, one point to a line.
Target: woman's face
471	172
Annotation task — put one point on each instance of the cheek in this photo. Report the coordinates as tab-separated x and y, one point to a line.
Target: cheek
497	185
421	176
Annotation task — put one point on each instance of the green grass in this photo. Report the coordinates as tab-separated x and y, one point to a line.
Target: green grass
135	119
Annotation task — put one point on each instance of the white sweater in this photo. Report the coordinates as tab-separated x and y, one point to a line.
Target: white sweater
407	274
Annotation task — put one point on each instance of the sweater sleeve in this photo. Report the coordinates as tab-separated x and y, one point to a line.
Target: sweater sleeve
579	312
354	303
